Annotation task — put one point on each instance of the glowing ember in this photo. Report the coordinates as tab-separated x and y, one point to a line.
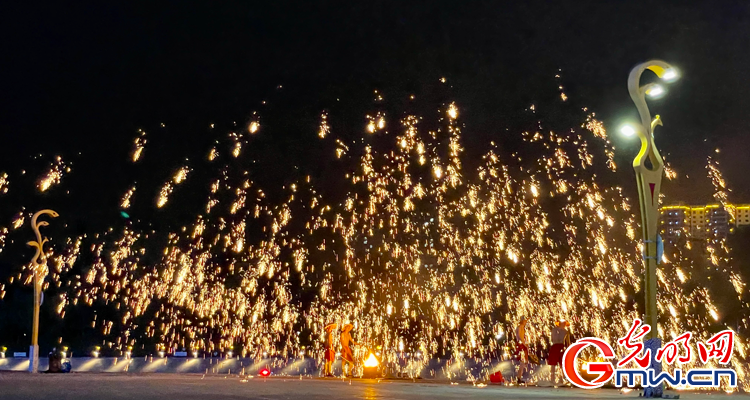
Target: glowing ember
324	128
125	202
138	146
180	175
4	183
453	111
164	193
54	174
253	127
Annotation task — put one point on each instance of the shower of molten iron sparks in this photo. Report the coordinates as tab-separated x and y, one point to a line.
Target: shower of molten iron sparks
417	245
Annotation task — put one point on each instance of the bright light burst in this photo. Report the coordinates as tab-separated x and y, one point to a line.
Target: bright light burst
54	174
324	128
3	235
4	183
253	127
164	193
125	202
138	145
180	175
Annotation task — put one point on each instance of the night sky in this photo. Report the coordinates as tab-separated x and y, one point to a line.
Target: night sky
83	78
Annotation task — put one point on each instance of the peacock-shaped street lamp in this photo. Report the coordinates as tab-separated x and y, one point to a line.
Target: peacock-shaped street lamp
39	270
649	168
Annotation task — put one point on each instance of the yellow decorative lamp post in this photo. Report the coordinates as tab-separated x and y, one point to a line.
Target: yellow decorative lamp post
39	268
649	167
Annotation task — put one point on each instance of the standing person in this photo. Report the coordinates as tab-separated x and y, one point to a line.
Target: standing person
522	350
330	353
560	341
347	356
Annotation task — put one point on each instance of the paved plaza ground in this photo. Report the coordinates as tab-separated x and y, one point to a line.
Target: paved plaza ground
85	386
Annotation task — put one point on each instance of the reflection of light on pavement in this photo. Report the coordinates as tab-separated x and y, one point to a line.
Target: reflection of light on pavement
22	366
88	365
371	393
119	366
293	367
155	364
227	363
253	369
454	368
187	364
505	367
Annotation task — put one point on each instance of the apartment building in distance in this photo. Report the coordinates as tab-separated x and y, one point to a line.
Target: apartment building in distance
702	221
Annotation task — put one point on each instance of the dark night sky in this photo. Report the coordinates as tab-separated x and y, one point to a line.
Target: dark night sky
83	78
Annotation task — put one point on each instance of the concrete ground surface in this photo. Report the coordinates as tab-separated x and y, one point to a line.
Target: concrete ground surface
82	386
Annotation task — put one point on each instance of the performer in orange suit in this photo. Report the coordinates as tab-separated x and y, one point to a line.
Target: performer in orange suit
347	356
330	353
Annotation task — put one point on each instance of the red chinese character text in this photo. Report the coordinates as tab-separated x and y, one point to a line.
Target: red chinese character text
722	345
629	341
670	350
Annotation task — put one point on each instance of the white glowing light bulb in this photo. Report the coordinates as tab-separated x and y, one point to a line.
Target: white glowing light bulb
655	91
627	130
670	75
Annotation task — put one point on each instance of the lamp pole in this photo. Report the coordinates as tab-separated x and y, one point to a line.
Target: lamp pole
39	268
649	168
